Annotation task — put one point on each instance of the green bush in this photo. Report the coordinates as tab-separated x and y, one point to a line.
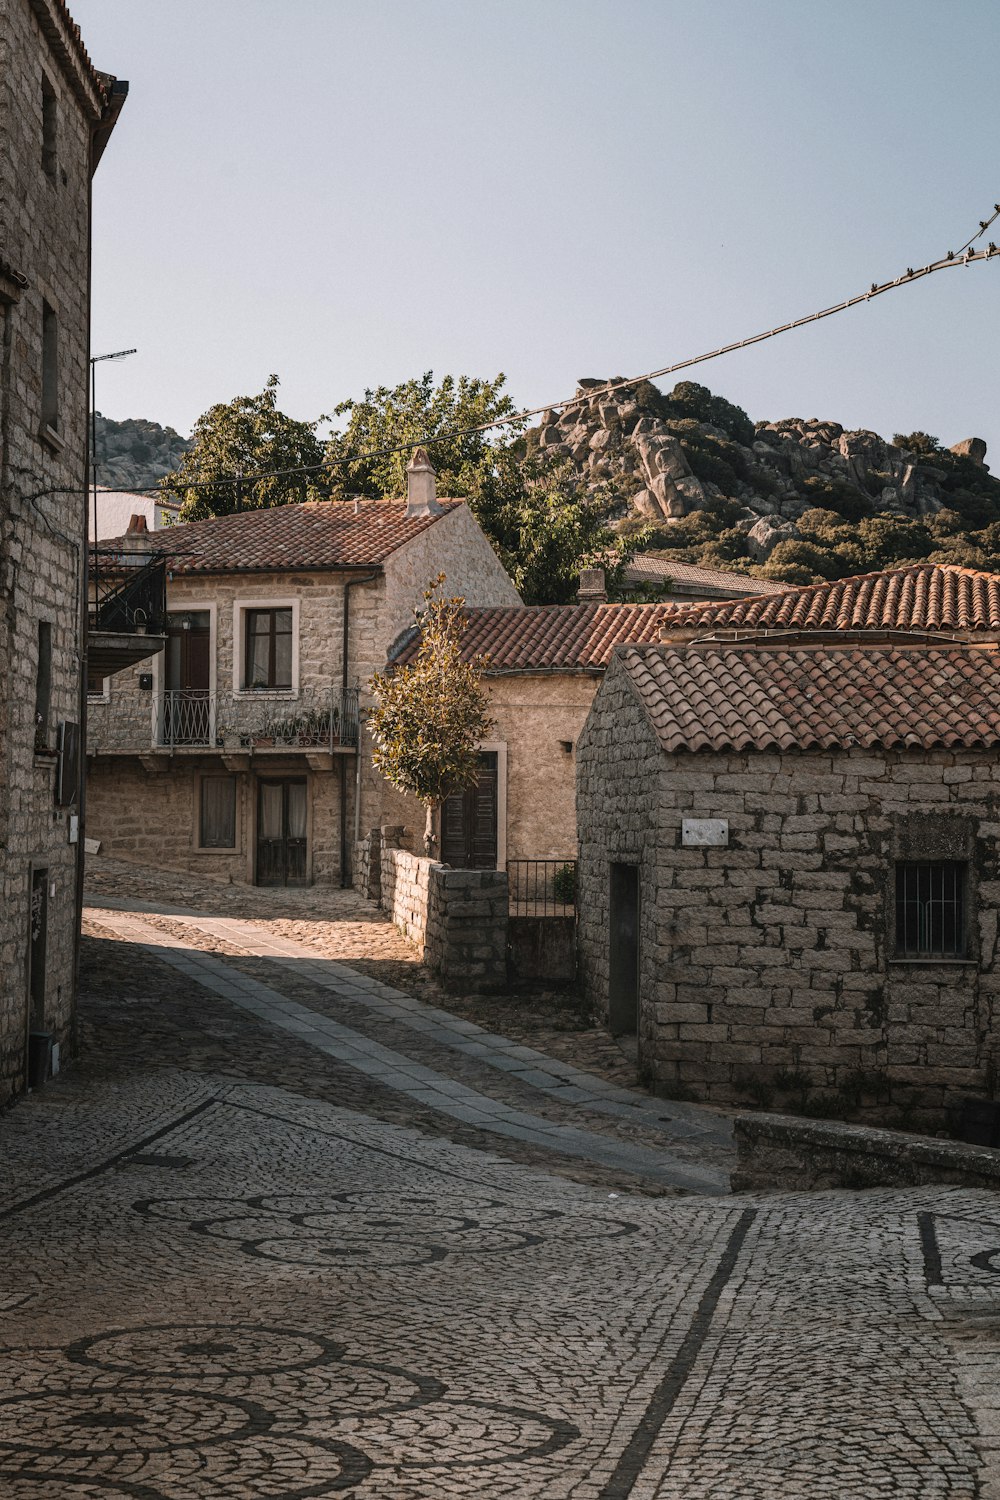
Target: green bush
688	399
564	884
916	442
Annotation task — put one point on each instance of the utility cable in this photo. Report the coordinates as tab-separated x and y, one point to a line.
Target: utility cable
963	257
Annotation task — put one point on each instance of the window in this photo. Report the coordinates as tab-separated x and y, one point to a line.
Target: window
50	368
268	659
217	825
50	121
43	684
930	909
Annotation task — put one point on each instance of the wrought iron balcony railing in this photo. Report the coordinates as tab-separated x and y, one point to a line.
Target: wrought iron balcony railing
190	719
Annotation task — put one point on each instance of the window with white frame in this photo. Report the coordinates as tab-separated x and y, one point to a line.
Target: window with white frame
265	646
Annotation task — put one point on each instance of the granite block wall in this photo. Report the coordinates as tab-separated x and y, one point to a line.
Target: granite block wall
768	968
44	213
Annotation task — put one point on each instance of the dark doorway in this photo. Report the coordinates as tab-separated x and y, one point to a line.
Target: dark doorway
38	932
281	833
186	703
623	978
469	821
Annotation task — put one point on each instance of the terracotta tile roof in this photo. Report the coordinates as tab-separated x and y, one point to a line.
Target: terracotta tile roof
48	14
319	536
926	596
657	567
753	697
550	637
581	637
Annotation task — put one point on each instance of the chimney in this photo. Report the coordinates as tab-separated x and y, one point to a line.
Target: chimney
421	491
592	588
137	537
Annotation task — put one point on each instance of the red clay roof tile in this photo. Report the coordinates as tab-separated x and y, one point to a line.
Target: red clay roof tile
318	536
551	637
925	596
754	697
581	637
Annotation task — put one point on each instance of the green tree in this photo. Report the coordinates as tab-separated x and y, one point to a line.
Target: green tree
237	439
431	714
412	413
545	526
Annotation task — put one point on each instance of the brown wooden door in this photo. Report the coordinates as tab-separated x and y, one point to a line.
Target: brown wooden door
469	821
281	833
186	704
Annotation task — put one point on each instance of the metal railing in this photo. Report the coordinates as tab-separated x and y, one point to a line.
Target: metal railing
134	599
542	887
189	718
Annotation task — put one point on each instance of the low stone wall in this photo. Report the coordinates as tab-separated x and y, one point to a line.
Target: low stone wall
792	1155
459	917
542	948
404	891
367	866
466	940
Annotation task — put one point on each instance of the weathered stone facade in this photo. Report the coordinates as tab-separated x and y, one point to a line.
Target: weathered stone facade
51	105
770	962
143	800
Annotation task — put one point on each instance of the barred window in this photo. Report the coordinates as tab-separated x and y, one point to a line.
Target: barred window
930	909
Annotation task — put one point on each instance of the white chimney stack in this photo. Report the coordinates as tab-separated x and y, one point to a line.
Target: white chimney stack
421	490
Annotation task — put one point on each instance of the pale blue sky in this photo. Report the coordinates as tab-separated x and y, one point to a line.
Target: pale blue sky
349	194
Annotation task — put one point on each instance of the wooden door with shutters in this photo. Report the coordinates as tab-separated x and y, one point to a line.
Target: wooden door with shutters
282	844
188	676
469	821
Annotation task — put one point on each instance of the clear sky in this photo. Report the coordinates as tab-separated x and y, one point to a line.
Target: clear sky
349	194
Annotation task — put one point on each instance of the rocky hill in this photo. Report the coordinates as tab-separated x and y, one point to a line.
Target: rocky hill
134	454
794	499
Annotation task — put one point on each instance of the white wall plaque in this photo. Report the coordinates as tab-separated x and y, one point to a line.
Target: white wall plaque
705	833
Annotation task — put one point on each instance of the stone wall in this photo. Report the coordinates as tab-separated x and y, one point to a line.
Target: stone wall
149	811
405	891
366	866
789	1155
457	917
767	968
466	938
45	217
536	718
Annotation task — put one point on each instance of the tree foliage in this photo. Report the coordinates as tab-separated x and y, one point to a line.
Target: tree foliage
431	715
413	413
545	526
235	440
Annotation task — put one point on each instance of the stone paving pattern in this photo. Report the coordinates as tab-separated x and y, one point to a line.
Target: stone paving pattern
238	1265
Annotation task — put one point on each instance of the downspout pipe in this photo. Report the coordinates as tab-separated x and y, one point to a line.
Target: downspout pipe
345	658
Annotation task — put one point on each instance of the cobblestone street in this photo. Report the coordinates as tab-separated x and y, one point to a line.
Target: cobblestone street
294	1227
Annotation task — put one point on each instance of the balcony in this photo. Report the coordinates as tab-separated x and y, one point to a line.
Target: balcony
127	616
131	722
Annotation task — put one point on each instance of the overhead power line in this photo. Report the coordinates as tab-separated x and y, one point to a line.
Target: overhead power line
963	257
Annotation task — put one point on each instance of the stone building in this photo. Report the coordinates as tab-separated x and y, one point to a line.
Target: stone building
546	662
239	754
788	870
56	113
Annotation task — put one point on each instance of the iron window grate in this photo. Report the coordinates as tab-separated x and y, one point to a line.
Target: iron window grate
930	909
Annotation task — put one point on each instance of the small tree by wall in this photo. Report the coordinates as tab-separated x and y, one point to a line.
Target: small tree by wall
431	715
